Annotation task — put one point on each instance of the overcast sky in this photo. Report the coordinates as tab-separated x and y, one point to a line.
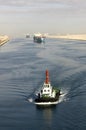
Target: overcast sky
19	17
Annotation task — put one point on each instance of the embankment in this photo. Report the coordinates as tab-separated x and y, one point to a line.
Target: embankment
3	39
69	36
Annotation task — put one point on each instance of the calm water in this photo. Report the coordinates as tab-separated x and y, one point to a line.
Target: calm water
22	71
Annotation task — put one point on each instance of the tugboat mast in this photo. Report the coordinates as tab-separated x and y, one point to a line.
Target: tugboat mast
47	77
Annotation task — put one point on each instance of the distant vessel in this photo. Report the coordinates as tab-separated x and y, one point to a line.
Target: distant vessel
47	95
27	35
39	38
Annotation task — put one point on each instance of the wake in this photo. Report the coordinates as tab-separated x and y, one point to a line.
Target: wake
63	96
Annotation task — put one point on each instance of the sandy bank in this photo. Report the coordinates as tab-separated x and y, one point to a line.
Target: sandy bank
73	37
3	39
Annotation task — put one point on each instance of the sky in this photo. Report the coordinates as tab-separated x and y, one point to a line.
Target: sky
21	17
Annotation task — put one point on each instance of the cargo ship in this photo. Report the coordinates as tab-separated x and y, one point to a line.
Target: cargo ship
39	38
47	95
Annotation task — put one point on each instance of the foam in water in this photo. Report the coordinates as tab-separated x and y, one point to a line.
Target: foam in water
63	97
30	100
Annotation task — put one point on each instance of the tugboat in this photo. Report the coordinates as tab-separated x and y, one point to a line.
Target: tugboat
47	95
39	38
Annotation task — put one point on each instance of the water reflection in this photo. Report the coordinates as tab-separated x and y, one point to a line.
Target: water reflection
47	112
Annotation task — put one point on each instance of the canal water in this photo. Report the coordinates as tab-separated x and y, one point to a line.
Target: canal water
22	72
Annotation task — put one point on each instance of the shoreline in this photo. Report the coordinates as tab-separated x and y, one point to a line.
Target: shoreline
3	39
69	36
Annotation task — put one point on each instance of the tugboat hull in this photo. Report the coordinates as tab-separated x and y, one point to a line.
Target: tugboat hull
47	101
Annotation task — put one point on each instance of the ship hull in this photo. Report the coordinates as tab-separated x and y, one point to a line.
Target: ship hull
38	39
47	101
